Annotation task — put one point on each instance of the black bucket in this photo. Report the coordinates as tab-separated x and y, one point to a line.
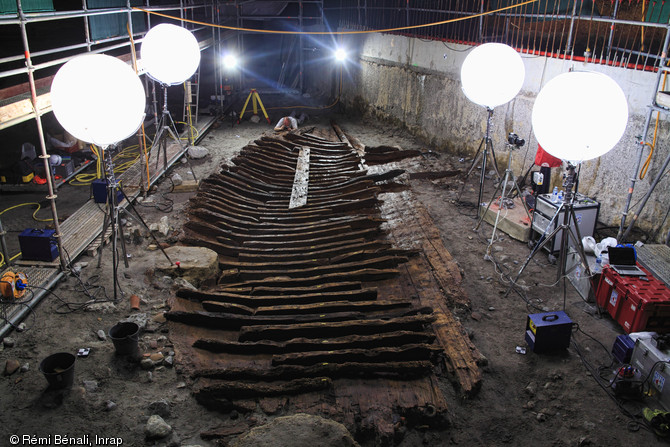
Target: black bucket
58	369
125	336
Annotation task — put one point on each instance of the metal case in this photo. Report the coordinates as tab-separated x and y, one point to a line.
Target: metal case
652	363
586	212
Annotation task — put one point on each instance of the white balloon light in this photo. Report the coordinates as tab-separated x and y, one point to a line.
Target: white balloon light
98	99
170	53
492	74
578	116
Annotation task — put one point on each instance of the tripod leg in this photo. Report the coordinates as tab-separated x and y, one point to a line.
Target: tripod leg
474	161
175	135
139	216
105	225
119	230
488	206
246	103
260	103
494	161
472	166
578	242
535	250
543	241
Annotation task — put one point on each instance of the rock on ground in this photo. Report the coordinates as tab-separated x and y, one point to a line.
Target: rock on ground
196	264
197	152
156	428
299	430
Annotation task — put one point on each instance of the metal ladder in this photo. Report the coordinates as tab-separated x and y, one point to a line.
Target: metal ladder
192	100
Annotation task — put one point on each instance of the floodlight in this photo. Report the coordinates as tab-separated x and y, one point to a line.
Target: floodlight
340	54
229	61
492	74
98	99
579	115
170	53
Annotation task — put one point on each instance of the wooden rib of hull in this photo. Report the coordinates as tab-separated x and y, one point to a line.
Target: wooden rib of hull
398	338
287	372
337	329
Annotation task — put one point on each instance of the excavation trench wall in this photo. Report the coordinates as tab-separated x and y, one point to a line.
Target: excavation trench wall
415	84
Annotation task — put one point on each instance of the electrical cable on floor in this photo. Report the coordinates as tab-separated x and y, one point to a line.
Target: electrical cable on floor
27	204
164	206
2	258
636	421
24	302
132	153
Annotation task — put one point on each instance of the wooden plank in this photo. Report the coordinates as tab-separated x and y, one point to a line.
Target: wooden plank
207	389
310	297
335	370
367	274
397	338
413	352
333	306
336	329
383	262
230	321
274	289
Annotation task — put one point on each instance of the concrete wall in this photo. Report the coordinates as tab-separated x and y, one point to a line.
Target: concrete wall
416	84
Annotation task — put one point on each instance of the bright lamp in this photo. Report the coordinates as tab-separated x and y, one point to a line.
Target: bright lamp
340	54
98	99
578	116
492	74
170	53
229	61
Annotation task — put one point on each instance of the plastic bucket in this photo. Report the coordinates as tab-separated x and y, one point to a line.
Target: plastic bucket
125	337
58	369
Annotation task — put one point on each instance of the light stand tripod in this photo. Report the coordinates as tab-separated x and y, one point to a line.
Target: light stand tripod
513	143
112	220
569	227
166	127
485	143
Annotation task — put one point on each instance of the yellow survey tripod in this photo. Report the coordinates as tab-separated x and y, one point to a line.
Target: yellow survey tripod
256	101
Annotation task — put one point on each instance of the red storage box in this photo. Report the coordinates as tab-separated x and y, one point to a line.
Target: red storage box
616	298
645	308
636	303
605	286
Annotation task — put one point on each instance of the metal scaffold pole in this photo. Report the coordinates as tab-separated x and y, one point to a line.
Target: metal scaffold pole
38	120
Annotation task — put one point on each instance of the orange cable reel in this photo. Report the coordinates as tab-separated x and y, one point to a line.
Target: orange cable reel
13	285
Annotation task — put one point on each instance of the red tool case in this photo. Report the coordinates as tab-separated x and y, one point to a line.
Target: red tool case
636	303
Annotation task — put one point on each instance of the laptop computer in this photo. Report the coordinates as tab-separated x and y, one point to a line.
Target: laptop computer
622	261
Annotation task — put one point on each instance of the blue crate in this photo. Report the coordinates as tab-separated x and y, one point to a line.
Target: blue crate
38	245
622	350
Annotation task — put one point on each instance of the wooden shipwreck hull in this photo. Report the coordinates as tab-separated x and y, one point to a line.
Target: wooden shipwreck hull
337	306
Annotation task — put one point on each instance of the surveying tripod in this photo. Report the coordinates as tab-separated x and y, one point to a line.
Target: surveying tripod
256	101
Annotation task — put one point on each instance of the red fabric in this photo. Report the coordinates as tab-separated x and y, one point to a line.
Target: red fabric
543	158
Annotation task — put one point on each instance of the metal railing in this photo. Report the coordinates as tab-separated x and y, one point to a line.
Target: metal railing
612	32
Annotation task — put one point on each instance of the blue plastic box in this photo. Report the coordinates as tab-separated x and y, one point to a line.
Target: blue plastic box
623	348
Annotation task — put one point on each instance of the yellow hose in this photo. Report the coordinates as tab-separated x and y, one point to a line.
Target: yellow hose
26	204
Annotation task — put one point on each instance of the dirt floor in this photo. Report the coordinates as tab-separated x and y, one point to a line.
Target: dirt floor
525	399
